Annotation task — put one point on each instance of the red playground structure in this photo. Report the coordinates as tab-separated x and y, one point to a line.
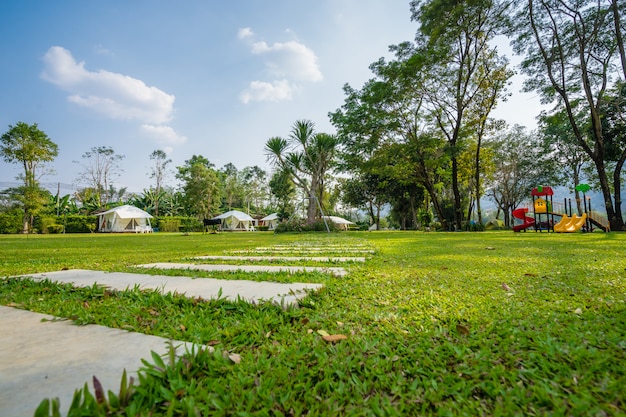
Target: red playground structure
542	203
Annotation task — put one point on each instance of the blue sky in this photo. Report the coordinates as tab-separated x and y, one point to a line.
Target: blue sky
211	78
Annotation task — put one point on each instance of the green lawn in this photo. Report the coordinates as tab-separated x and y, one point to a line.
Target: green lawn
493	323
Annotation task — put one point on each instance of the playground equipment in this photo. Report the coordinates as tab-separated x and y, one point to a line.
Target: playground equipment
545	211
520	213
570	224
542	203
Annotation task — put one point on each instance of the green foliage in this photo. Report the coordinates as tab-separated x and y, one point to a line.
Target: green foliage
473	227
169	224
202	186
301	225
11	221
80	224
86	404
48	225
307	157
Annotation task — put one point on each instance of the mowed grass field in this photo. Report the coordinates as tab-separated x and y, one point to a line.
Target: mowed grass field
492	323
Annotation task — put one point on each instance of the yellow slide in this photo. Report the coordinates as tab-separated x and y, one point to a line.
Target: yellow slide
570	224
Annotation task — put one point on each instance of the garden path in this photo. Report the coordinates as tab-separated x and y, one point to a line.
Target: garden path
338	272
43	356
206	288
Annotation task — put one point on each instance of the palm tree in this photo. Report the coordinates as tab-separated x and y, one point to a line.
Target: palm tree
307	156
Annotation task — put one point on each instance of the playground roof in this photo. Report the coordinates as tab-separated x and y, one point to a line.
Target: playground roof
542	191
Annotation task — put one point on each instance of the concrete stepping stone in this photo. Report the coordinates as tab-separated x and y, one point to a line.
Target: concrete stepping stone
282	258
206	288
304	250
340	272
50	359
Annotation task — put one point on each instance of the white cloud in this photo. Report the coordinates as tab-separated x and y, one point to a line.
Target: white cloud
290	59
163	135
278	90
245	33
289	63
113	95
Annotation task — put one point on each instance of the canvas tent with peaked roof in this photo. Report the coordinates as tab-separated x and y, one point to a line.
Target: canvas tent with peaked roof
124	218
339	222
236	220
270	221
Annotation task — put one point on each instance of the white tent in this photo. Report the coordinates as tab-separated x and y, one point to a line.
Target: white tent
339	222
124	219
236	220
270	221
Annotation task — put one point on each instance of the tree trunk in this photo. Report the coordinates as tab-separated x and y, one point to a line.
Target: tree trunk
458	211
311	213
25	228
606	193
618	222
477	182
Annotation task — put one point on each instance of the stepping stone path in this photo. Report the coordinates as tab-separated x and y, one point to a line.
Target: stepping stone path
282	258
339	272
290	249
42	356
45	357
205	288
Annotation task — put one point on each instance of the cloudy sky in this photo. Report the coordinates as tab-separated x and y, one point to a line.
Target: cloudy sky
211	78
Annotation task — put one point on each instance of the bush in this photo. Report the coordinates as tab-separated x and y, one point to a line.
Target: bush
47	225
473	227
80	224
179	224
169	224
11	222
298	225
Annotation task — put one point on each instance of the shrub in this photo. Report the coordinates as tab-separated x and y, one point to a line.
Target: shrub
11	222
80	224
47	225
299	225
179	224
169	224
473	227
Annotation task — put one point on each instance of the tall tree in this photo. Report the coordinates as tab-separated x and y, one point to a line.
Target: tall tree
566	158
454	43
282	188
159	173
233	190
201	185
519	170
254	181
30	147
101	167
573	50
308	156
384	133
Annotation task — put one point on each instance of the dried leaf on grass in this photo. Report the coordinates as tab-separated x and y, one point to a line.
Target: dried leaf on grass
334	338
234	357
462	329
323	333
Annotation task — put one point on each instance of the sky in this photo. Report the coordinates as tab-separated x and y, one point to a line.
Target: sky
192	77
